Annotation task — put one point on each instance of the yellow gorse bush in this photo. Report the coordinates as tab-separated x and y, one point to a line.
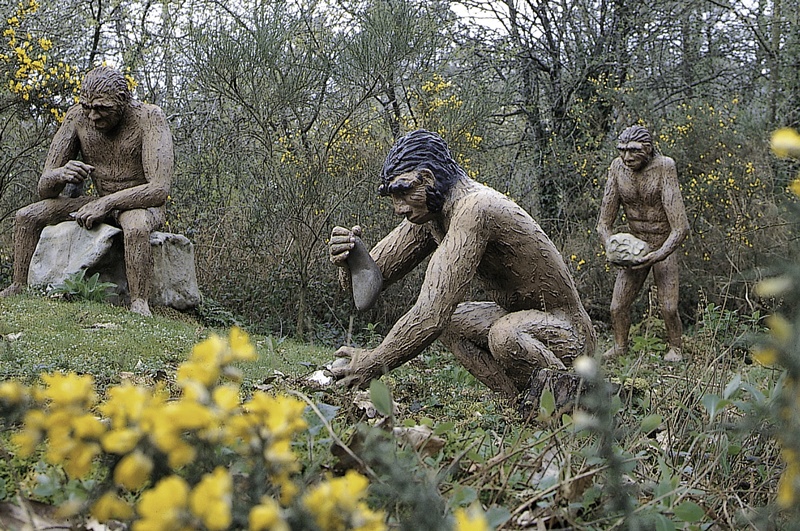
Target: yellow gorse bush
781	348
29	70
150	439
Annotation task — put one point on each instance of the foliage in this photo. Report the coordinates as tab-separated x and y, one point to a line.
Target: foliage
77	287
205	459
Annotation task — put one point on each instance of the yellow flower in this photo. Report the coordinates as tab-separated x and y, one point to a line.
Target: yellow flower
787	491
779	327
110	507
87	426
164	506
470	520
785	142
126	403
226	397
78	461
182	454
765	355
241	347
775	286
121	441
267	517
794	187
67	389
133	470
337	504
211	499
12	392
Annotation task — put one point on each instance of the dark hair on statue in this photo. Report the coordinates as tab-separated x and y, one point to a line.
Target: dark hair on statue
636	133
108	82
422	150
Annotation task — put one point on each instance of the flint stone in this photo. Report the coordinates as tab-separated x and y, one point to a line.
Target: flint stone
67	248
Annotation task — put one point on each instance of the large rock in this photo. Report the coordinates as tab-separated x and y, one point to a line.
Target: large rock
67	248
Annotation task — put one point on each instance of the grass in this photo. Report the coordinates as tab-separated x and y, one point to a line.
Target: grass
683	451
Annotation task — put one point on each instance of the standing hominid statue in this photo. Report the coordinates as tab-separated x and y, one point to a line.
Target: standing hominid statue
125	146
535	318
645	184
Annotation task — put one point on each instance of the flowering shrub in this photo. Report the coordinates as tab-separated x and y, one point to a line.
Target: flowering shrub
781	348
28	69
204	460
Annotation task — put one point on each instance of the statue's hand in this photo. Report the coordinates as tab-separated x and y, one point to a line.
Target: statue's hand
91	213
74	172
341	243
647	260
353	374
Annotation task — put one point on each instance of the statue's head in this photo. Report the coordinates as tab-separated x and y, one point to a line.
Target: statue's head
104	97
635	147
419	152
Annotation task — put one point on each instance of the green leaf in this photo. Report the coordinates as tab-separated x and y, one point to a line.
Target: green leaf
714	405
381	397
732	387
444	427
663	523
497	516
651	422
689	511
547	402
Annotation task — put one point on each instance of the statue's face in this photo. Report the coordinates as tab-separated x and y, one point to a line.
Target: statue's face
103	112
635	155
409	196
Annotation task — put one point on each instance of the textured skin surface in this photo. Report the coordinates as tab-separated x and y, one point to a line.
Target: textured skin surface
534	317
127	152
651	200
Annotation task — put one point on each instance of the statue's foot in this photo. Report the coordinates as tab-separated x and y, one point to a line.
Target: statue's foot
673	355
613	353
13	289
141	307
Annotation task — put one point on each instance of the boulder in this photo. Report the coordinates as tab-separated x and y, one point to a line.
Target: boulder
66	248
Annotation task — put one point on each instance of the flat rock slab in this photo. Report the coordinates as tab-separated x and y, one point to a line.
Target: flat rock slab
66	248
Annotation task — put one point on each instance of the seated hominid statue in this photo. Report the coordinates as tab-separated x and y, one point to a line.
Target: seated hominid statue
534	318
125	147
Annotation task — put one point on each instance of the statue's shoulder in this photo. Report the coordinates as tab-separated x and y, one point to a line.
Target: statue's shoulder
616	165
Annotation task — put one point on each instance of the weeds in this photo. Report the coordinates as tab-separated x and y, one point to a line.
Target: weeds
77	287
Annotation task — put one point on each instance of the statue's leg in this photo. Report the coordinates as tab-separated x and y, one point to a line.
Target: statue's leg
666	277
626	288
136	227
28	224
467	337
525	341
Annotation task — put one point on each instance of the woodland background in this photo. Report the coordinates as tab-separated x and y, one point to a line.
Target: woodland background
282	113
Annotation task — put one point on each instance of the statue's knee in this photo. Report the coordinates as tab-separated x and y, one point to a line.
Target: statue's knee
27	217
502	341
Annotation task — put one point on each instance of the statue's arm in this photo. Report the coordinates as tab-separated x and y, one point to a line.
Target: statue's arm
402	250
64	148
447	278
158	161
676	211
609	206
396	254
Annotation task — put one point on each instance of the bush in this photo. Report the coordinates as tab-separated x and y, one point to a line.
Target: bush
205	459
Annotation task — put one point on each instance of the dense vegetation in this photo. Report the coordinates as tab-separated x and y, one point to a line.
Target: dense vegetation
282	112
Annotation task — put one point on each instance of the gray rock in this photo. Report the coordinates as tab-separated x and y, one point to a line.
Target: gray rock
67	248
